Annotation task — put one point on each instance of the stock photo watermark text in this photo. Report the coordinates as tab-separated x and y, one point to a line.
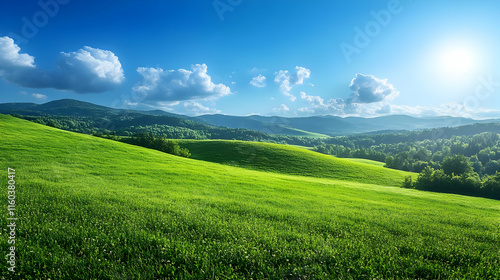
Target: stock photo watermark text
363	37
11	218
31	26
223	6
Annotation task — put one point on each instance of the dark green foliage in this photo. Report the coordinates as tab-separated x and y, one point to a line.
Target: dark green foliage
468	183
491	186
408	183
457	165
492	167
412	154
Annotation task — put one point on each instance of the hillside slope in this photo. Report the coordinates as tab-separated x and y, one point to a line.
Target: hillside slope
290	160
92	208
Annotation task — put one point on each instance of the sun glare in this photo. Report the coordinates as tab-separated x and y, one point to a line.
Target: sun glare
457	63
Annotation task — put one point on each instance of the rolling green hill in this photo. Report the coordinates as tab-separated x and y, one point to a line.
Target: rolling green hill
91	208
367	161
290	160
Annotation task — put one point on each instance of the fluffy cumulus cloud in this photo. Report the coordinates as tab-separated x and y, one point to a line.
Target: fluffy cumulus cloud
368	89
88	70
10	57
160	86
287	80
196	108
369	96
259	81
318	105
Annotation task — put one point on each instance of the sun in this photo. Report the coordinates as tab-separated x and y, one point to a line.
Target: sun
457	62
454	65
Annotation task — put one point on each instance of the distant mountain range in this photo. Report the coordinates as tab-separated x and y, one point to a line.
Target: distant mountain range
335	126
303	126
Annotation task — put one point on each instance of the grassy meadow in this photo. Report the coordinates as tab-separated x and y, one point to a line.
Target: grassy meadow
91	208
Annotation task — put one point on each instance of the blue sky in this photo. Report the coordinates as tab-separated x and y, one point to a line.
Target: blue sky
346	58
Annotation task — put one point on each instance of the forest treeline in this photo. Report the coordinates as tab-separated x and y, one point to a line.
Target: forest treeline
482	150
456	175
161	143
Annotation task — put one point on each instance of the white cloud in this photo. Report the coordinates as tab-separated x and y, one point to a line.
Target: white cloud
160	85
315	101
259	81
369	97
282	109
288	80
339	107
96	62
289	95
198	109
88	70
39	96
368	89
10	56
300	74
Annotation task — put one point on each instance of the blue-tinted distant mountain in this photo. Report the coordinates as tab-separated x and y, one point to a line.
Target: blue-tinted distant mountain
75	108
315	126
335	126
270	125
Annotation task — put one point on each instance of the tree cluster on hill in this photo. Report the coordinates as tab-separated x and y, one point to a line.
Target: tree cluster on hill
162	144
483	149
456	176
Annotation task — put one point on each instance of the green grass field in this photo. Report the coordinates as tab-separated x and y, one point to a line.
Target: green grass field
91	208
367	161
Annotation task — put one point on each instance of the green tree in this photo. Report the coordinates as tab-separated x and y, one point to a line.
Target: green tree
491	186
456	164
492	167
